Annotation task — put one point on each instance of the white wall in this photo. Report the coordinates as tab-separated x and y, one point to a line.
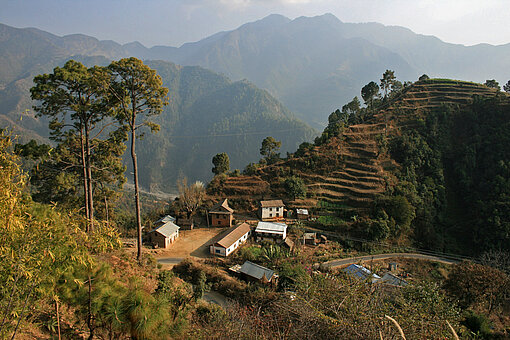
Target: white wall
272	212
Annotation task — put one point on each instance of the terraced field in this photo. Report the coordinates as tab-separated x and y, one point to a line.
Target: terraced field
361	171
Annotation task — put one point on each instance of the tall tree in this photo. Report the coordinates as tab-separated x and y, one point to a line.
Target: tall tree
221	163
73	97
368	92
387	81
139	94
269	149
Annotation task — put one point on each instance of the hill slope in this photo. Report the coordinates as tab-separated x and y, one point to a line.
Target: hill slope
429	165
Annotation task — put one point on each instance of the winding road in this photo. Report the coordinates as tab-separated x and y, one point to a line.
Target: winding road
344	262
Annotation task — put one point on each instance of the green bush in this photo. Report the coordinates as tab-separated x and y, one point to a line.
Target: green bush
479	324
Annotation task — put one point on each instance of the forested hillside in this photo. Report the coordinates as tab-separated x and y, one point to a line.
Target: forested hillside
207	114
426	164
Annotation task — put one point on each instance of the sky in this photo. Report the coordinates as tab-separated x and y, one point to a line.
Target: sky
174	22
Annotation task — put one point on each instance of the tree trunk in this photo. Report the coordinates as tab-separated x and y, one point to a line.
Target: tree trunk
90	320
58	318
89	176
106	211
137	197
85	181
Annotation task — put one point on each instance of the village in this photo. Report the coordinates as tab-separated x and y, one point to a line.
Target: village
173	240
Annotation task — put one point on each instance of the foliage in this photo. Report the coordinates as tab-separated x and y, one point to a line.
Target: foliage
250	253
221	163
295	187
39	245
76	100
397	211
388	81
303	148
479	324
190	196
506	87
368	92
493	84
251	169
292	276
477	285
424	77
137	92
269	149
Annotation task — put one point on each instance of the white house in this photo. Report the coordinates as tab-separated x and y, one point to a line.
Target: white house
164	235
271	231
231	239
269	210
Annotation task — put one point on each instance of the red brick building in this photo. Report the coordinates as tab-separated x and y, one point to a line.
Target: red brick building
221	215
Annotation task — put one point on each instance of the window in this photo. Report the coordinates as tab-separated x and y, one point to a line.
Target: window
270	215
277	214
218	251
270	209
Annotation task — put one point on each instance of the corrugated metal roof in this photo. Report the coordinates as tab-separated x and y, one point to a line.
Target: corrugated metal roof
222	208
233	234
166	219
271	227
167	229
394	280
272	203
302	211
361	273
256	271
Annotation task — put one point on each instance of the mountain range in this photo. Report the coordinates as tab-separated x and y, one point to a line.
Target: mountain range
312	64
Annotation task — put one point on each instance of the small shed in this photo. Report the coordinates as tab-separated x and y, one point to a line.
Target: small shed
231	239
221	214
165	235
186	223
271	231
310	239
302	214
255	272
270	210
361	273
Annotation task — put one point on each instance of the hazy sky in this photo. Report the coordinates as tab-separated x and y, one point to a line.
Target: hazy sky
173	22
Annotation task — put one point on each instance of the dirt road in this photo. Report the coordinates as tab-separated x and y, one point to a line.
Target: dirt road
344	262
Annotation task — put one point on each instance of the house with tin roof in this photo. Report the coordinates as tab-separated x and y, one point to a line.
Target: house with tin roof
255	272
361	273
164	235
271	231
230	240
271	210
221	214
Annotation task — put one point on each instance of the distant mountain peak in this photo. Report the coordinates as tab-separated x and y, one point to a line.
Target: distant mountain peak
270	21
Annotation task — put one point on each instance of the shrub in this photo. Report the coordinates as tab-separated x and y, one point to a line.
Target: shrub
477	323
